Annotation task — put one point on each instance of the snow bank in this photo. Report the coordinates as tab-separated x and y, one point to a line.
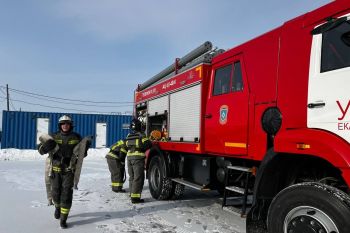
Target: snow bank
16	154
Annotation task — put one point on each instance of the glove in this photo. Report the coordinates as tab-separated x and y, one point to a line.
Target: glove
47	146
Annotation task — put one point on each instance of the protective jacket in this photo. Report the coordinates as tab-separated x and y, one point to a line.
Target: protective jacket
136	144
117	151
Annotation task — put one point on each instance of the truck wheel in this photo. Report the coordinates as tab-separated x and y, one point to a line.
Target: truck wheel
160	185
178	191
309	207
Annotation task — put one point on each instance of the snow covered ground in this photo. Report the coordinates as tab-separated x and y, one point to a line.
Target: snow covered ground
95	207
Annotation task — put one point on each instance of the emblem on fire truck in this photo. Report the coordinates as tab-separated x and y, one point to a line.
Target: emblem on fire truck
223	114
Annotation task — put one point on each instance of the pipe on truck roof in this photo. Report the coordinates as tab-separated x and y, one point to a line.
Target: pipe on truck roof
204	58
205	47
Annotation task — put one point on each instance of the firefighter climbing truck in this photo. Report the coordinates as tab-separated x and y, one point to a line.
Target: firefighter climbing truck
266	124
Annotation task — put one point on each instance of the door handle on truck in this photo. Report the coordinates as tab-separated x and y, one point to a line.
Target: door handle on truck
316	105
208	116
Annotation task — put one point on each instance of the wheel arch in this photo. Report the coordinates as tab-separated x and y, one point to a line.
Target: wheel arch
317	142
165	158
275	173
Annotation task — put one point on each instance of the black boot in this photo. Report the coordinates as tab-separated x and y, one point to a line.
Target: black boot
63	222
118	189
57	213
137	200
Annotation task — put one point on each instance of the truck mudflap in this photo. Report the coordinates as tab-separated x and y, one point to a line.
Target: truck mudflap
257	215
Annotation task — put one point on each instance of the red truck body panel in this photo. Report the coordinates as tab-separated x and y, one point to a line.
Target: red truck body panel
275	68
176	83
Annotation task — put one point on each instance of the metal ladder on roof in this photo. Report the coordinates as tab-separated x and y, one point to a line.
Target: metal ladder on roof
244	192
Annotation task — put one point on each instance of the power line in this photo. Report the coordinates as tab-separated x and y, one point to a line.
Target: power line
12	105
67	109
82	101
3	97
61	102
2	91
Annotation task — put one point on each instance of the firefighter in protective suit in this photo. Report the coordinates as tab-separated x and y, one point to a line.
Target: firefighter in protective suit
136	144
62	173
116	165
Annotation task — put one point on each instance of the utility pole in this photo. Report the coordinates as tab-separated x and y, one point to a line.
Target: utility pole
8	97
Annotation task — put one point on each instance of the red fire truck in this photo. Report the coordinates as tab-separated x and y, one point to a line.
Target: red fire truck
266	124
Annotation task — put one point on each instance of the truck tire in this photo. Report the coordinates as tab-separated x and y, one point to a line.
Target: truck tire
309	207
160	185
178	191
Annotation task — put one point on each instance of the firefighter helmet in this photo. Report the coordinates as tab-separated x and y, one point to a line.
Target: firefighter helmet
135	125
65	119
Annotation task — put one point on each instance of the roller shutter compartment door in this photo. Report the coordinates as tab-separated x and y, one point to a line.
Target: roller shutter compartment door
185	109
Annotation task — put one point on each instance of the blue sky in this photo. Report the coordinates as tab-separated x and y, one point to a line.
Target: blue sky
100	50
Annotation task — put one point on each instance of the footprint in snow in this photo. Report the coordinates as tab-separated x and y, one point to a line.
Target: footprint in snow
37	204
84	193
101	226
82	200
188	222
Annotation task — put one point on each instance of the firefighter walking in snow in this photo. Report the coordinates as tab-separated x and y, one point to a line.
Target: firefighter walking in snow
116	165
62	170
136	144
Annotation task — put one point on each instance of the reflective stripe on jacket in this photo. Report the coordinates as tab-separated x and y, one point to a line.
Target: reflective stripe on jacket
136	145
117	150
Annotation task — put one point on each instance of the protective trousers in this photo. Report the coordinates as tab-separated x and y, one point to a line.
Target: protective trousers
117	170
136	172
62	190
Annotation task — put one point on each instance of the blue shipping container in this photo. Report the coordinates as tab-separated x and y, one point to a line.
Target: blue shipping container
21	129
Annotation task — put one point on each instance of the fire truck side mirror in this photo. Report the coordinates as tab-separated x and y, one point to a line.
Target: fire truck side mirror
346	38
330	24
